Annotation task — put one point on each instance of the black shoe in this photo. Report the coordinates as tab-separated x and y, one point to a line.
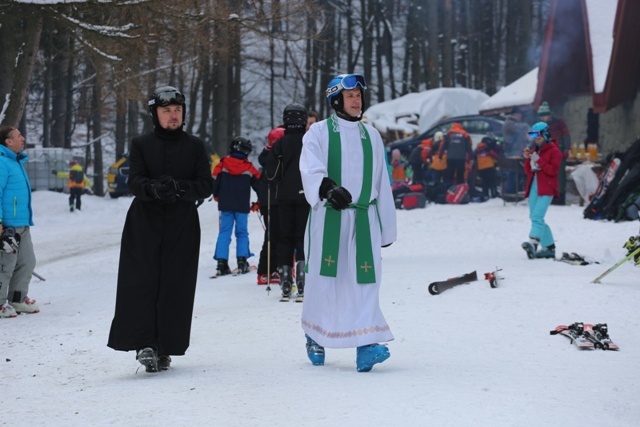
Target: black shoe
148	358
164	362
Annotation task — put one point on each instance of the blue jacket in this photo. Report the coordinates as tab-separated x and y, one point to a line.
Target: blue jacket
15	189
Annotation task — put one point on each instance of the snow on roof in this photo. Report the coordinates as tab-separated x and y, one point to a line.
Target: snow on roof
418	111
601	16
520	92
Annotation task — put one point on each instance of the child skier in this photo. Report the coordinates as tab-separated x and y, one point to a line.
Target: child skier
234	177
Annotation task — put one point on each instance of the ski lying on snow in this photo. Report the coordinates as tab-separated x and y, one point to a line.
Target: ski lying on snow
436	288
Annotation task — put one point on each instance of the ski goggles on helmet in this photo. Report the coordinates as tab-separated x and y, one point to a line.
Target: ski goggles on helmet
166	98
533	134
345	81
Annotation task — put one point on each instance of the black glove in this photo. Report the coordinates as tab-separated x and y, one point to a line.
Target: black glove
54	172
338	197
163	189
10	240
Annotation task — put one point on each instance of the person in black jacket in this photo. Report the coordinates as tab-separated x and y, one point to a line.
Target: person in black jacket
268	206
169	172
283	167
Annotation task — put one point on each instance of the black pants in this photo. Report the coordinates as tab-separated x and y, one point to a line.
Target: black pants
293	221
488	177
270	243
74	194
455	171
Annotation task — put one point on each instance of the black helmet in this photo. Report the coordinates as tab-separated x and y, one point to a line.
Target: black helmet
164	96
295	116
240	145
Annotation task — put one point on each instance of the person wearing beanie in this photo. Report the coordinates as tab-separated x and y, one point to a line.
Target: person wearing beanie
293	209
169	172
344	173
560	133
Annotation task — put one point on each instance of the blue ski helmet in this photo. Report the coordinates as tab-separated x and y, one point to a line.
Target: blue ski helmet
340	83
540	129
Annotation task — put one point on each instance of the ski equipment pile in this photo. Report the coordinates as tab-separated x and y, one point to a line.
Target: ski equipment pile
594	209
587	336
574	259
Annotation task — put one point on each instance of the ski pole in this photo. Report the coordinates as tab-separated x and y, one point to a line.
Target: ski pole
618	264
268	237
38	276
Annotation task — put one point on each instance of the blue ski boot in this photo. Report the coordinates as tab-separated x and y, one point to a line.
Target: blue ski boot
531	247
369	355
315	352
548	252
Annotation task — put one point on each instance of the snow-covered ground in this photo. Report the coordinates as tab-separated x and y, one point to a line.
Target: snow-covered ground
472	356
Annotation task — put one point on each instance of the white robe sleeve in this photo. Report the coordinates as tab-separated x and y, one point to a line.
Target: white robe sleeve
313	161
386	205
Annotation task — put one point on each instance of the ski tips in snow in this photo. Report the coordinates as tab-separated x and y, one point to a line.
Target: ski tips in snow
587	336
436	288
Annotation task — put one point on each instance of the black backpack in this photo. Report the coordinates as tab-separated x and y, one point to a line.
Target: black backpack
76	176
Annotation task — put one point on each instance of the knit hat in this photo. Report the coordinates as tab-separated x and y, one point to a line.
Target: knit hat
544	109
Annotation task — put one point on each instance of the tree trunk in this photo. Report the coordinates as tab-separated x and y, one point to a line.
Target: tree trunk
447	53
23	60
433	62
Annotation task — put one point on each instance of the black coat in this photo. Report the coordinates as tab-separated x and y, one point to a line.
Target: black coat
283	166
160	246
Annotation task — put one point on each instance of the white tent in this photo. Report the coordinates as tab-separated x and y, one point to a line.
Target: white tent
520	93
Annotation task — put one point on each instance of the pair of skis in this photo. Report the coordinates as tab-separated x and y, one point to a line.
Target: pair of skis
234	272
436	288
587	336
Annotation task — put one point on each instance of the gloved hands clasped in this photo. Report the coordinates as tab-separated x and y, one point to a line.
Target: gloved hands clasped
165	188
338	197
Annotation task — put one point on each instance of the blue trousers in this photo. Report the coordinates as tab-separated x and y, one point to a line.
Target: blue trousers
538	206
227	220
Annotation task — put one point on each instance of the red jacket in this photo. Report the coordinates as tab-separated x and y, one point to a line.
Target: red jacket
549	163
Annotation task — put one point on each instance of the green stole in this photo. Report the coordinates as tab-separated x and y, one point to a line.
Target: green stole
333	218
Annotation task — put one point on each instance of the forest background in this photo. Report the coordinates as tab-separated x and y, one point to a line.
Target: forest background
77	74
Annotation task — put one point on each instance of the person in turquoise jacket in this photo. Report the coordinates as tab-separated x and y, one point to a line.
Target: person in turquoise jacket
17	258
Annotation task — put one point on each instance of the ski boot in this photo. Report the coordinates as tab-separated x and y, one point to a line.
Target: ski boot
531	247
300	281
631	246
223	268
243	265
369	355
148	358
286	282
164	362
548	252
315	352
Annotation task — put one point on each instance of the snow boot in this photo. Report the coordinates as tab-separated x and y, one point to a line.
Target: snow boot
164	362
369	355
148	358
7	311
243	265
548	252
286	281
315	352
29	306
531	247
300	278
223	268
